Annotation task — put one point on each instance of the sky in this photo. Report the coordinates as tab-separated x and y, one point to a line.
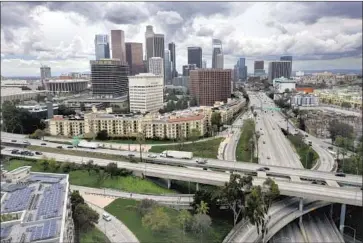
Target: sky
319	35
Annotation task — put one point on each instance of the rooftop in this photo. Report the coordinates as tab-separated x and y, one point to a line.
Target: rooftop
38	203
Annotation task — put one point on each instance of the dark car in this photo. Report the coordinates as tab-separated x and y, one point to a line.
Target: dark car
266	168
69	146
261	169
131	155
14	141
43	144
340	174
38	153
59	147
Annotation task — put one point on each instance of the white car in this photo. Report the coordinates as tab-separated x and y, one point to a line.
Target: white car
201	161
152	155
106	217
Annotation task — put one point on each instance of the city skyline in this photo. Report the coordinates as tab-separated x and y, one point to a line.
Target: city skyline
277	33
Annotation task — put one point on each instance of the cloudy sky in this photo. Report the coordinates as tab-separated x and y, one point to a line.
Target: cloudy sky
319	35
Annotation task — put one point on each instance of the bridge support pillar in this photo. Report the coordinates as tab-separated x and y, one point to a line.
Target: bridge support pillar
342	218
168	181
301	207
331	211
197	187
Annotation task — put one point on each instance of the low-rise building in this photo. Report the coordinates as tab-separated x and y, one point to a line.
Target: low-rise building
281	84
166	126
69	85
304	100
37	206
14	94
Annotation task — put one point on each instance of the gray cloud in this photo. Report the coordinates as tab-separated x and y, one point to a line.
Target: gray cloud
124	13
205	32
93	11
273	24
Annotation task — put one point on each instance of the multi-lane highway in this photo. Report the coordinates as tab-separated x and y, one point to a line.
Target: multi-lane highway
275	171
347	195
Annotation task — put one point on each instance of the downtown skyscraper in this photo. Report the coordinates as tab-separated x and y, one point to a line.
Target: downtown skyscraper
217	55
134	57
167	68
278	69
155	44
195	56
242	69
118	45
173	59
102	47
287	58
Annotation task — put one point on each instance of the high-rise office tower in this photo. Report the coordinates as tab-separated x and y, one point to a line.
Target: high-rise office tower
279	69
210	85
134	57
167	69
118	45
188	68
45	75
204	64
287	58
259	68
172	59
159	45
217	55
149	42
241	69
195	56
109	78
102	47
146	92
156	66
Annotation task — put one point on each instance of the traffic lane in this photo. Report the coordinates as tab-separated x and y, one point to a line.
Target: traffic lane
318	192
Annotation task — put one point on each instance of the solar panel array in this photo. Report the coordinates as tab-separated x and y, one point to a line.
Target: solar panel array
51	203
5	231
18	200
47	179
46	231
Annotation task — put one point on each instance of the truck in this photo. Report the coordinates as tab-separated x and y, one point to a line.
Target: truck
176	154
85	144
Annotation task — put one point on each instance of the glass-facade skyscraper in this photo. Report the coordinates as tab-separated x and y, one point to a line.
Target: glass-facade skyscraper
102	47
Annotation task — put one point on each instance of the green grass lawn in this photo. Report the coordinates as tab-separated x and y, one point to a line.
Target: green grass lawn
82	178
206	149
132	141
94	236
244	151
125	210
302	150
75	152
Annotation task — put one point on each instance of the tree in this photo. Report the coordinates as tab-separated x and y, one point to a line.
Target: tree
206	196
202	208
193	101
140	138
76	199
65	111
82	107
257	136
194	135
156	220
201	223
102	135
89	166
234	194
258	204
145	206
66	167
112	169
38	134
338	128
184	218
216	119
85	217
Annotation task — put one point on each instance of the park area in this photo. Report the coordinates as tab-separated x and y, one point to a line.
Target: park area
308	156
126	211
93	235
245	147
206	149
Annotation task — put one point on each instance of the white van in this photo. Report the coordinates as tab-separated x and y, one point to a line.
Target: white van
106	217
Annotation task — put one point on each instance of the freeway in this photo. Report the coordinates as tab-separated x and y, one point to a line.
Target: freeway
347	195
225	165
333	109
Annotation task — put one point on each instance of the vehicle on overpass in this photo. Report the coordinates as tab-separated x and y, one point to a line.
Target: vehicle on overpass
176	154
85	144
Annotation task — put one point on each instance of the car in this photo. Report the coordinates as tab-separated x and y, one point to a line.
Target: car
152	155
266	168
14	141
106	217
306	135
201	161
43	144
59	147
131	155
69	147
340	174
261	169
260	128
14	152
264	142
330	147
38	153
268	157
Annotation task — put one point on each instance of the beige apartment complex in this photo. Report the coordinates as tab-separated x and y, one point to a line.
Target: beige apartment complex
167	126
